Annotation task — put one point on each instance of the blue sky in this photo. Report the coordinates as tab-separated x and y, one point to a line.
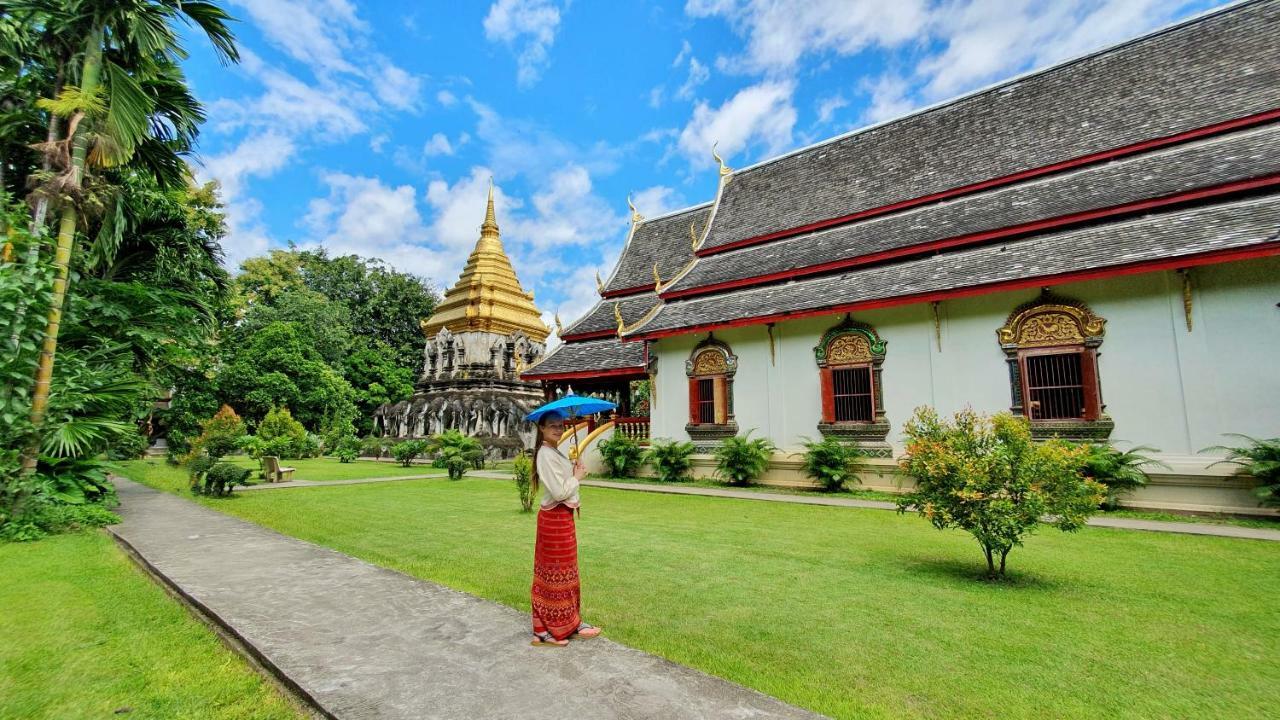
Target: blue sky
373	128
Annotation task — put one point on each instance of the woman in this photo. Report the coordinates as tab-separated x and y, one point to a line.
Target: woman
557	598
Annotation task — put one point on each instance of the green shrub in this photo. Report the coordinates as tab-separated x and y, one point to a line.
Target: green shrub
196	469
452	444
622	456
522	471
283	436
741	460
830	462
454	459
984	475
1118	471
347	449
222	478
671	459
218	434
45	517
128	446
312	446
1259	459
374	447
406	452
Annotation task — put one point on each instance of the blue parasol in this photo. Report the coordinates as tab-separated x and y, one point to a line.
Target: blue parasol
571	406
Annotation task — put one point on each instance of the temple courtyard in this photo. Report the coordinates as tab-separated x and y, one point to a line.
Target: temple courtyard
847	612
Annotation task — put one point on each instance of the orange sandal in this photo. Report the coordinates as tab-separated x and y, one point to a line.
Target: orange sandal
586	631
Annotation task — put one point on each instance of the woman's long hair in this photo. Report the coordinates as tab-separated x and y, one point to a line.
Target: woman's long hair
538	442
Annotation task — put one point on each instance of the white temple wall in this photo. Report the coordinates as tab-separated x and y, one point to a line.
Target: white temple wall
1164	387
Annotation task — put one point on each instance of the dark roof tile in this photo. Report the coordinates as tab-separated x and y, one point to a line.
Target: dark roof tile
589	356
665	241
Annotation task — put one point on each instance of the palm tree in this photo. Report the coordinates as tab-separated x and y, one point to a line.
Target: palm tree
117	112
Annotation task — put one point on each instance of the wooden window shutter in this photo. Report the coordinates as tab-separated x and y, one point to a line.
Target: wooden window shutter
693	400
722	401
828	396
1089	378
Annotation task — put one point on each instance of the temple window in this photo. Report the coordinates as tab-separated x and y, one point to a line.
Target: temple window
1051	347
850	357
710	369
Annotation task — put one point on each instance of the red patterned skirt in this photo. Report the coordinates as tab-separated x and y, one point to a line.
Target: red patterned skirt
557	599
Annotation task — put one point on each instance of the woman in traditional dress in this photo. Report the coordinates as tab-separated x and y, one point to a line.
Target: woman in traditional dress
557	597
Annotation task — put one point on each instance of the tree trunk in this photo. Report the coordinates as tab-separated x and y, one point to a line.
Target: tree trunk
55	129
89	81
1004	554
991	564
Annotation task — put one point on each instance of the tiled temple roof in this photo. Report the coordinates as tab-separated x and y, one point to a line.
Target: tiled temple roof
1217	68
598	356
1073	196
663	240
1176	236
601	318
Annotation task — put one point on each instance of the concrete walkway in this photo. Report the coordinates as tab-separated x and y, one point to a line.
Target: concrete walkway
362	642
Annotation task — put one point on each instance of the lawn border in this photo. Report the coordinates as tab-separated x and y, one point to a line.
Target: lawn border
294	694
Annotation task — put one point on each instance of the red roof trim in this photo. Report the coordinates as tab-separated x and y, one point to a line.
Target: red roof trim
980	237
585	374
627	291
1134	148
1247	253
593	335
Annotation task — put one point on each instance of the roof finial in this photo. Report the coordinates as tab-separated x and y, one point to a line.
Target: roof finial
599	284
693	235
635	214
617	314
725	170
559	327
657	280
490	217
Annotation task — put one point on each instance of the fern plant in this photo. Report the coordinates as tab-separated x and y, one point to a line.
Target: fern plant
671	459
1259	459
830	462
452	443
741	460
622	456
1120	471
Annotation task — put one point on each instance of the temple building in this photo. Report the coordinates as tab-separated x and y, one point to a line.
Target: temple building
483	334
1093	246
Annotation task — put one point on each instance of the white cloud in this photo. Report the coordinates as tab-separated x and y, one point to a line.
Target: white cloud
698	74
531	22
446	98
658	200
685	50
779	33
288	103
828	106
377	142
655	96
568	212
758	115
257	156
519	147
890	98
438	145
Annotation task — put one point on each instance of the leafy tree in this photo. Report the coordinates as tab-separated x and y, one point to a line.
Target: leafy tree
281	435
219	435
377	380
277	368
830	462
984	475
406	452
741	460
324	325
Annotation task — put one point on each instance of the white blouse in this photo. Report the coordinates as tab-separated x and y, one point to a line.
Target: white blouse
555	475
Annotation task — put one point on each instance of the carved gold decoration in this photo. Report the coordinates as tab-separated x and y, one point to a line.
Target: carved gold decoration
599	283
725	170
848	349
709	362
617	315
693	235
635	214
1051	323
1186	295
488	295
559	327
657	280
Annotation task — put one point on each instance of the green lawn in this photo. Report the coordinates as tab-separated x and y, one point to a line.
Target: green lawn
853	491
324	469
87	635
853	613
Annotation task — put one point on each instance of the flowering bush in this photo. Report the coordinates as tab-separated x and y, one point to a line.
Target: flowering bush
984	475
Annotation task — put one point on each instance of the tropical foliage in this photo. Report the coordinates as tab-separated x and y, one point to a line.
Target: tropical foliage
522	473
622	456
1260	459
985	476
830	462
456	453
741	460
671	459
1119	471
408	451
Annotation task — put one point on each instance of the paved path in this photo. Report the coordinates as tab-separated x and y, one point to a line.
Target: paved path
362	642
